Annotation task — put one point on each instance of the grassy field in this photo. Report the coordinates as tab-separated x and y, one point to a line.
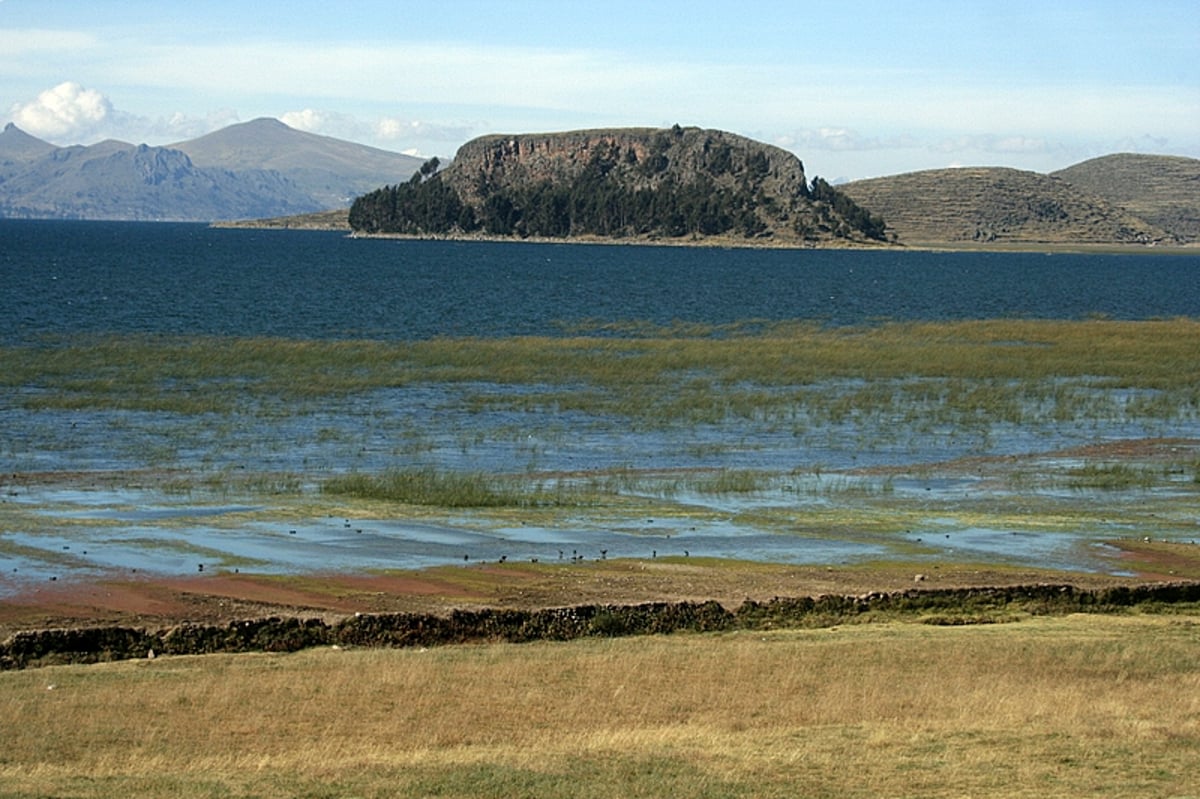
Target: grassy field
1068	706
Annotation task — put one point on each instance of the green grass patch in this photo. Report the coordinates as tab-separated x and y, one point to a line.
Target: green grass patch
452	489
1113	476
999	370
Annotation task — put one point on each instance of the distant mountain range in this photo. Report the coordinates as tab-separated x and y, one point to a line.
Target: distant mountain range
701	180
250	170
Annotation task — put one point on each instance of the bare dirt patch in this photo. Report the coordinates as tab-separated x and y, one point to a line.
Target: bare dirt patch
1162	560
221	598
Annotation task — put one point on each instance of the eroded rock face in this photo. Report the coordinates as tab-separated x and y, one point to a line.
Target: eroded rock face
642	157
628	183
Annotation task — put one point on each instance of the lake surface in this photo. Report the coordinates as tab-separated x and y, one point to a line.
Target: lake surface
100	277
62	279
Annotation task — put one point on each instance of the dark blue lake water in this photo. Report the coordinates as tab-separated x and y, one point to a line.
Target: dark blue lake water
100	277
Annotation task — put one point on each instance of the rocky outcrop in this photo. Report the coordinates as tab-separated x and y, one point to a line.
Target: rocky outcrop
644	158
933	606
629	183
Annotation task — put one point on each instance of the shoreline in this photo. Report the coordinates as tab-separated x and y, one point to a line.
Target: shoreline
158	601
719	242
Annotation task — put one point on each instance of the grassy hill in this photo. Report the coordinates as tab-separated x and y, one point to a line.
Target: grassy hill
1164	190
997	205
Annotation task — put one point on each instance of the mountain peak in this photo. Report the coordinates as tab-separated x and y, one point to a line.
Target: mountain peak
256	169
16	144
266	122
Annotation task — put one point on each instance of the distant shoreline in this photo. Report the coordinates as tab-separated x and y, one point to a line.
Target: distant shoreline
330	221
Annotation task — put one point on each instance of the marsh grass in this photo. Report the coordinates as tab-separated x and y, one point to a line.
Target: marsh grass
1006	370
1114	476
1071	706
447	489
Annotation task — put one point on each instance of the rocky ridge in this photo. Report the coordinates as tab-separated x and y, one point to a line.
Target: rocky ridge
630	183
507	161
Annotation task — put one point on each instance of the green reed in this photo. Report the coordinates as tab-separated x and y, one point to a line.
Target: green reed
446	489
1012	371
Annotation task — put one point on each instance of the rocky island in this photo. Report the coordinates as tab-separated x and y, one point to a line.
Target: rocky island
639	184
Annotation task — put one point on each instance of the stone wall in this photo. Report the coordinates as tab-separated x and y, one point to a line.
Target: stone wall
275	634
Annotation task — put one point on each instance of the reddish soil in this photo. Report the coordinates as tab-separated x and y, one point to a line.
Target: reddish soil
221	598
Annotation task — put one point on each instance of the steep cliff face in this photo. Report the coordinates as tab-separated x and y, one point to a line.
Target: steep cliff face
641	157
639	183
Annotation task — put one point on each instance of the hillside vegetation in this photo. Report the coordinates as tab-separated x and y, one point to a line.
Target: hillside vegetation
624	183
992	204
1163	190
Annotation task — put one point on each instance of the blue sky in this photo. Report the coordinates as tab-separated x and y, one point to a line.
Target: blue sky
856	89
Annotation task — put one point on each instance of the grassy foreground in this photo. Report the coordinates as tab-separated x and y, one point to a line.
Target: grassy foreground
1067	706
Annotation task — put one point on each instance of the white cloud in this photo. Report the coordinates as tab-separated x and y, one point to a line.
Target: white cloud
307	120
328	123
389	132
66	111
392	128
177	127
841	139
400	130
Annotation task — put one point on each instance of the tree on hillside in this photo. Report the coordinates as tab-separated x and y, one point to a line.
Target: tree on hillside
612	197
856	217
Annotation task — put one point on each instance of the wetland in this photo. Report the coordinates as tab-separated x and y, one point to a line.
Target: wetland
179	402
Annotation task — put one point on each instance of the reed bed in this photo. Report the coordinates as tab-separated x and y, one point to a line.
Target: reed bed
161	400
1161	355
454	489
1069	706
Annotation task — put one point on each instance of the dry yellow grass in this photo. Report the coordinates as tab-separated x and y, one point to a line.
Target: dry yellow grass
1074	706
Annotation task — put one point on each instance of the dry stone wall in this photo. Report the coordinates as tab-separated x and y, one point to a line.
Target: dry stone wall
277	634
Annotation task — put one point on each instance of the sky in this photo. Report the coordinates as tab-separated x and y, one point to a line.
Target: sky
855	89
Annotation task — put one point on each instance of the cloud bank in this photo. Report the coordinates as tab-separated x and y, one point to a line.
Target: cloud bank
66	110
